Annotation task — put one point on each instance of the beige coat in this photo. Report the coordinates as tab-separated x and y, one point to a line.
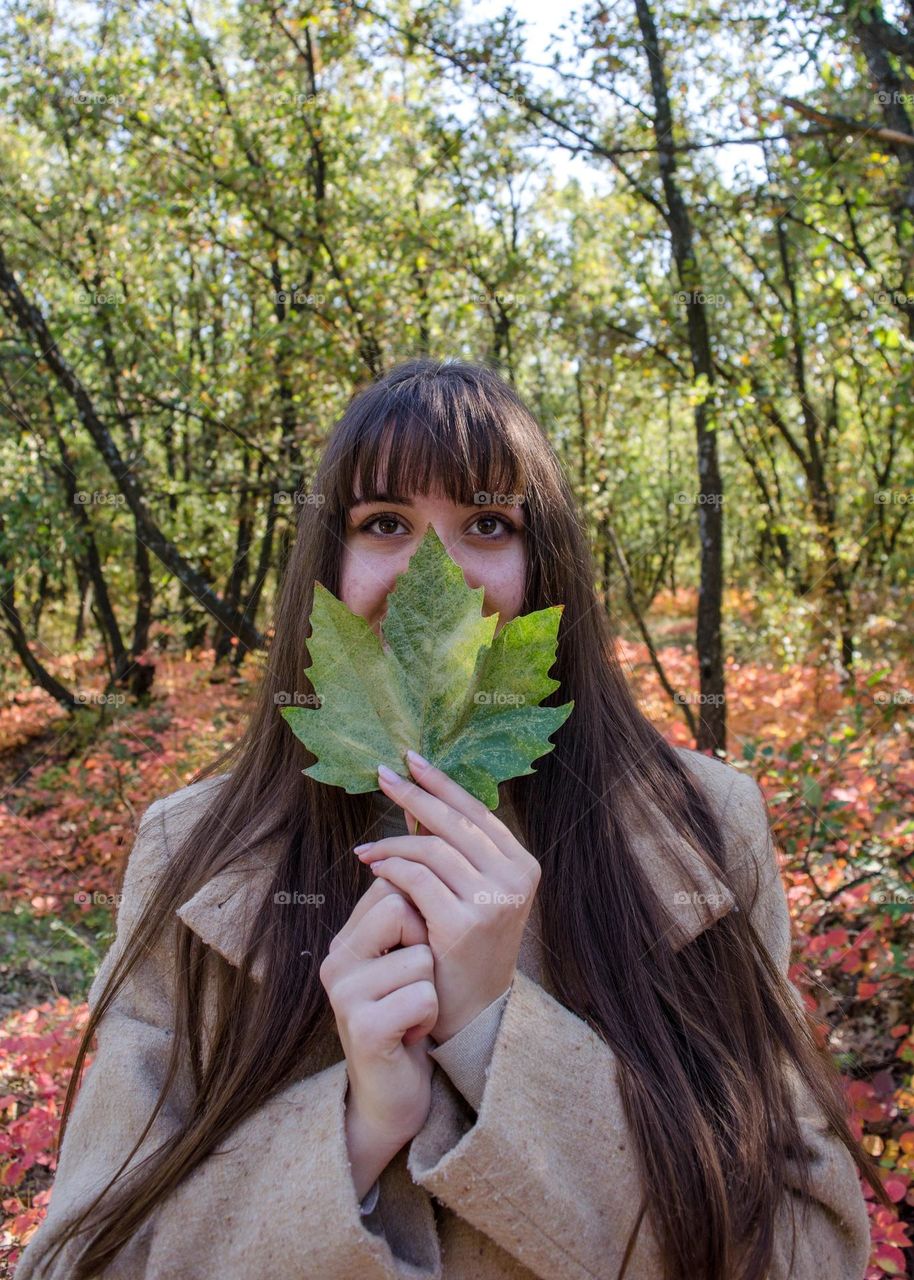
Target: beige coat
542	1182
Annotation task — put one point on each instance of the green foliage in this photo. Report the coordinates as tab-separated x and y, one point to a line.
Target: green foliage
47	955
442	683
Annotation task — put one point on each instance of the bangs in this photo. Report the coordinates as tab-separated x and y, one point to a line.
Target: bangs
437	434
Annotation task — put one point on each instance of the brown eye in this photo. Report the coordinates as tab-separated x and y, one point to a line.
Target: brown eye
386	517
384	525
507	528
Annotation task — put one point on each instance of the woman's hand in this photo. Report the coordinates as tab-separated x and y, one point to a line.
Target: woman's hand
473	882
378	975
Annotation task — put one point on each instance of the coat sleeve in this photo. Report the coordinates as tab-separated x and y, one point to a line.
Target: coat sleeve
547	1168
275	1197
467	1054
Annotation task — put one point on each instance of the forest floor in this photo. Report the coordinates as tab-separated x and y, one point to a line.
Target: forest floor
835	761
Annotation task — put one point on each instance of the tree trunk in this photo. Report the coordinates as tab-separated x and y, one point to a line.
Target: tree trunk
33	325
712	720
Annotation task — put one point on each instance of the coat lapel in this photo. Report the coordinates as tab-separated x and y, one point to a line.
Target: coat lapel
221	911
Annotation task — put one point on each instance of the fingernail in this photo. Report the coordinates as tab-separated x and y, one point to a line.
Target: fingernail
358	848
415	758
388	774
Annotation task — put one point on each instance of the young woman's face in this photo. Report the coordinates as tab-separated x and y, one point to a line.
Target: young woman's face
486	541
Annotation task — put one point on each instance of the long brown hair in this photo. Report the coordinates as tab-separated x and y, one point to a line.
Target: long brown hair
701	1033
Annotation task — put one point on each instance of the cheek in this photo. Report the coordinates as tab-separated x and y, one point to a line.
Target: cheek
356	581
514	592
366	579
504	583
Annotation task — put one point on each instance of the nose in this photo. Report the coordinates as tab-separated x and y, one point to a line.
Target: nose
441	534
454	550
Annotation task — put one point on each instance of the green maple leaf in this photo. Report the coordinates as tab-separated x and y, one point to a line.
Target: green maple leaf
438	681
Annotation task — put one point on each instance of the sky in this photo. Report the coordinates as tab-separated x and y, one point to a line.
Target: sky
543	18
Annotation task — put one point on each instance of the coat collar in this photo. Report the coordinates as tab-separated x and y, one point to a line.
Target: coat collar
221	911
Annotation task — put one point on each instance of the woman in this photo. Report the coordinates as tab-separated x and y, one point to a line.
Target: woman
556	1040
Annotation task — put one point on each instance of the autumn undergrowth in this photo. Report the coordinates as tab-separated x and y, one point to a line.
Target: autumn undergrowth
833	758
